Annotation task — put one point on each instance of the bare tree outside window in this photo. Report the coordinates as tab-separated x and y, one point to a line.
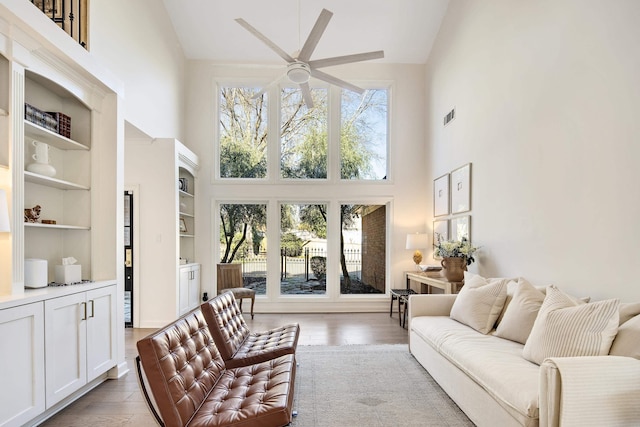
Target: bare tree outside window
303	135
364	135
243	133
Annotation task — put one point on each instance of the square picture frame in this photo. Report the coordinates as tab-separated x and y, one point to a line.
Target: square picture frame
461	227
461	189
441	195
440	230
183	226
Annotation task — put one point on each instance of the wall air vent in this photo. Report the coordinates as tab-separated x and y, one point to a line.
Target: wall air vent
450	116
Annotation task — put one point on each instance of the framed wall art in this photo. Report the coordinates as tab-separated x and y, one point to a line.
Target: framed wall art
440	231
461	189
441	195
183	226
461	227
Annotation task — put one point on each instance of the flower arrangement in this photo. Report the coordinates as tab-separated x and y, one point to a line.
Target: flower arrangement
455	249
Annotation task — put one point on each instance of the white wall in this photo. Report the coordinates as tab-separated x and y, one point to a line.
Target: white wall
136	41
408	172
546	96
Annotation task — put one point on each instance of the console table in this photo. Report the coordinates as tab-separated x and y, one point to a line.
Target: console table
429	280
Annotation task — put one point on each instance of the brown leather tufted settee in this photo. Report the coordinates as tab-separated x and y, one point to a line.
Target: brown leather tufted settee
192	387
236	343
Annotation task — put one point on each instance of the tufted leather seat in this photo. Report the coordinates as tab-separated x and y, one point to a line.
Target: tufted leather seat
191	386
239	346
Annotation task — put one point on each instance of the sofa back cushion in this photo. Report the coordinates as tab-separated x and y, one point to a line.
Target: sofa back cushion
479	302
519	317
182	365
627	341
226	324
567	327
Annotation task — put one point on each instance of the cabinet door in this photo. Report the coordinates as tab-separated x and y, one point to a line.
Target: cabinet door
101	331
183	290
21	364
65	346
194	287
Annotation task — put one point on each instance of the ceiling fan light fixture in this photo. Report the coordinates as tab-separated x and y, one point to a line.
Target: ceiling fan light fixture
299	72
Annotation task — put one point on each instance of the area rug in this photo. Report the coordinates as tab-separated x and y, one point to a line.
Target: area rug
368	385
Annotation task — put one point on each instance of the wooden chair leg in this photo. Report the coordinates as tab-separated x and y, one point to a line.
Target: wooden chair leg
253	300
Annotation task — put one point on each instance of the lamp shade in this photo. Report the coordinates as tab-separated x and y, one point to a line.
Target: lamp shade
417	241
4	212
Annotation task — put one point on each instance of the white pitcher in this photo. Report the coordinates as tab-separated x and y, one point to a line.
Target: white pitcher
41	157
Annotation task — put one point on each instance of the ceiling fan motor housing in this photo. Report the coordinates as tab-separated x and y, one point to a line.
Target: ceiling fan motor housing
299	72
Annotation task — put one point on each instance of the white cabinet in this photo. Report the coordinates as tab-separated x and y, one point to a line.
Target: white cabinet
21	364
189	288
79	340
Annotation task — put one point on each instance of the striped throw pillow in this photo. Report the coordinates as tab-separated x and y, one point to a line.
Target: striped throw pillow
566	327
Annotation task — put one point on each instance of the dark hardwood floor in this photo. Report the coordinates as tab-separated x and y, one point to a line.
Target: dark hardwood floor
120	402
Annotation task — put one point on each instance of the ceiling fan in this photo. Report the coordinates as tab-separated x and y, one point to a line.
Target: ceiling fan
300	67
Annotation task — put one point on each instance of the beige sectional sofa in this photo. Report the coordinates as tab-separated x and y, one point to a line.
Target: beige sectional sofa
510	354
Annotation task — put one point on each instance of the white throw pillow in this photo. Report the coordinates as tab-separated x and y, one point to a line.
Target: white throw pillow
479	302
566	327
520	315
627	341
628	310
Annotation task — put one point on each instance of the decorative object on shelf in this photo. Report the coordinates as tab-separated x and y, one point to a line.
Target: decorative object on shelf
183	184
183	226
63	123
69	273
49	221
39	117
456	256
461	189
441	195
454	268
5	226
32	214
41	157
35	273
417	241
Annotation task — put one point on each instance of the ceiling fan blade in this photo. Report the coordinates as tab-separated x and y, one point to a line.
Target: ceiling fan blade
284	55
347	59
268	86
306	94
336	81
314	35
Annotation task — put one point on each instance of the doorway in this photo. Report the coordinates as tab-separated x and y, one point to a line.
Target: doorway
128	259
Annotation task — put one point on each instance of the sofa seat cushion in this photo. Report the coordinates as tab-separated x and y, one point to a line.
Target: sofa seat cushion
256	395
494	363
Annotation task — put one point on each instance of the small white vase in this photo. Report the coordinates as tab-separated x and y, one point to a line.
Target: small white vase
41	157
42	169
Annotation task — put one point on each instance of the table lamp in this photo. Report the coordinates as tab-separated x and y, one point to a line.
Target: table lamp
417	241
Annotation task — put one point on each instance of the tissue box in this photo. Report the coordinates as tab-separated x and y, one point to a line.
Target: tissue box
68	274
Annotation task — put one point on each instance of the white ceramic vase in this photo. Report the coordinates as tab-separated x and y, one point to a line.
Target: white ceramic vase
41	165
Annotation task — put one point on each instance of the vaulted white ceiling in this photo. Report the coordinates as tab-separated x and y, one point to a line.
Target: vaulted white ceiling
404	29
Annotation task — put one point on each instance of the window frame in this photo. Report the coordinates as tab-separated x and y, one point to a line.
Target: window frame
274	117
